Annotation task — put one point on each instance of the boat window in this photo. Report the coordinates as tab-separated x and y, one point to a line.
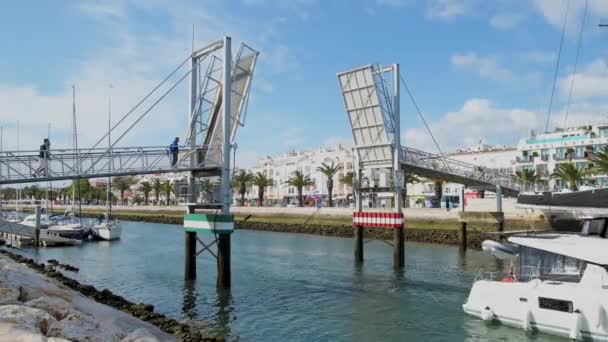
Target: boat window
593	227
537	264
555	304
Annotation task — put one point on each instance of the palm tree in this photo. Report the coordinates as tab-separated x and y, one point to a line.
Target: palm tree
569	172
207	187
329	171
145	188
157	188
241	181
527	176
599	160
123	184
262	182
168	188
299	181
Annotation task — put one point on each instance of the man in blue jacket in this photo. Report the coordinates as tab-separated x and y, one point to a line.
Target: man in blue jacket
174	149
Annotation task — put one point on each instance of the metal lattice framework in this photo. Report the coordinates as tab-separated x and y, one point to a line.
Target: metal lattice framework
203	155
368	113
371	112
433	166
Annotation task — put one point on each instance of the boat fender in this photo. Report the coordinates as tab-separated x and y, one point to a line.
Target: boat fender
575	328
487	314
525	323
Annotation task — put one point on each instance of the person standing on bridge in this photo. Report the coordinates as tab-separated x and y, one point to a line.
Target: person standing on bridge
43	159
174	149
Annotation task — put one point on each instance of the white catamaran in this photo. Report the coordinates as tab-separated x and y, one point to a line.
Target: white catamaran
558	284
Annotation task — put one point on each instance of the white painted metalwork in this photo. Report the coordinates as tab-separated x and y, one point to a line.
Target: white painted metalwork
204	151
362	93
434	166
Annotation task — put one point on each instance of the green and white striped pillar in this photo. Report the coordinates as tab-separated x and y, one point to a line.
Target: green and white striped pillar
214	224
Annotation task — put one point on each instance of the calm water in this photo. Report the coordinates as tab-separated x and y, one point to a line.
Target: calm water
293	287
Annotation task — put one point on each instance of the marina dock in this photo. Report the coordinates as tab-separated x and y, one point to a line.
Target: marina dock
20	235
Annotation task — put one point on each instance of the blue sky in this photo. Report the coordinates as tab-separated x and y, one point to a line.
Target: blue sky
480	70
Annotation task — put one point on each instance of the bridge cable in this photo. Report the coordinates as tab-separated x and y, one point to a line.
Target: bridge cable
144	114
559	54
578	50
142	101
409	93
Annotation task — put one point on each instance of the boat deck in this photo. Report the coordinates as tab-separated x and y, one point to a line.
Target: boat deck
18	234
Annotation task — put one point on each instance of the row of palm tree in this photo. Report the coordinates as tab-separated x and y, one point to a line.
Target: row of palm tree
244	179
569	172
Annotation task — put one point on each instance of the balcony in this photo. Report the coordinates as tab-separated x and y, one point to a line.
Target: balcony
544	157
526	159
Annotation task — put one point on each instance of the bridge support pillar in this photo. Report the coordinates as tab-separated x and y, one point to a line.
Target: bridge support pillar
358	243
500	225
463	225
223	262
37	228
398	248
190	253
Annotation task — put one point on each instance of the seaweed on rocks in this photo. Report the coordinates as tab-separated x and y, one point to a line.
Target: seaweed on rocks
145	312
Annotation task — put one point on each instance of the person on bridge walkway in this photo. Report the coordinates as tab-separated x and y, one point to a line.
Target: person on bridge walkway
174	149
43	159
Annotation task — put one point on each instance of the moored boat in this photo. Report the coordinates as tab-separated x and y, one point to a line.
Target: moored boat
557	284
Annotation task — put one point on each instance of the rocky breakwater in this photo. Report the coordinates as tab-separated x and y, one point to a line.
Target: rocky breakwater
36	308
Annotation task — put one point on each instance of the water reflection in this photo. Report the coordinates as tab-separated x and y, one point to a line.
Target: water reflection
190	298
294	287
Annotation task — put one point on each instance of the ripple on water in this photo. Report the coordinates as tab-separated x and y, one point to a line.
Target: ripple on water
295	287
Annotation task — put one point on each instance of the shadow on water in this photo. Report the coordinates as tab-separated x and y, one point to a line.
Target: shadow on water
219	321
190	297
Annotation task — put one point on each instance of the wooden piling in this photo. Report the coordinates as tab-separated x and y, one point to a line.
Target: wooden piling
223	262
358	244
190	253
398	248
463	236
37	228
463	224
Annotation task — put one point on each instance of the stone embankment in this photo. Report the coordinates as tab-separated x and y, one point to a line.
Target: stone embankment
39	303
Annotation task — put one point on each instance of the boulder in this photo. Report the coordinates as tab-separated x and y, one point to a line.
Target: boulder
32	285
56	307
140	335
9	295
8	332
25	318
80	327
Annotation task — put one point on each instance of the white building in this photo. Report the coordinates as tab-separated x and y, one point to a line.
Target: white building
279	168
544	152
484	155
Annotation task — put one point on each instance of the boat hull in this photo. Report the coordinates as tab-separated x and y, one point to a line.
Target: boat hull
523	305
105	232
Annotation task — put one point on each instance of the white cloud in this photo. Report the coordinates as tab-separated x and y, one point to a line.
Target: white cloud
553	12
477	119
481	119
449	9
591	81
505	21
485	67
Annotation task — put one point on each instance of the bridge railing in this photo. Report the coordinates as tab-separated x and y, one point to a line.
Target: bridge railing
458	168
25	166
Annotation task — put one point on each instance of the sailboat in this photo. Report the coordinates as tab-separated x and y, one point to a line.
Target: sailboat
67	225
108	228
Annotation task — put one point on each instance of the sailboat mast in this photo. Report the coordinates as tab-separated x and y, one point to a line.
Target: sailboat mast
109	185
75	137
